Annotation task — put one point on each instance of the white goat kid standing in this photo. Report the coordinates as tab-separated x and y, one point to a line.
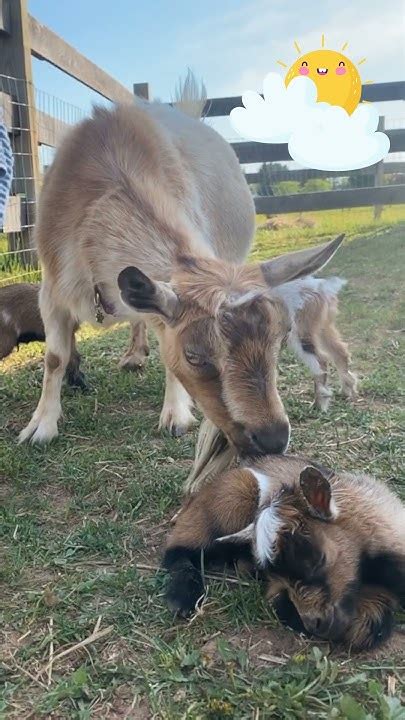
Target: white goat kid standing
312	306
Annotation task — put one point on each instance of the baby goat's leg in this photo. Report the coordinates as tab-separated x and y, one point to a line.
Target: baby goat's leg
135	357
339	354
222	507
59	326
308	350
74	376
8	340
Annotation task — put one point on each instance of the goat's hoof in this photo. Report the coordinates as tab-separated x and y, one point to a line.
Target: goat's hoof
184	593
39	433
78	382
177	424
133	363
177	431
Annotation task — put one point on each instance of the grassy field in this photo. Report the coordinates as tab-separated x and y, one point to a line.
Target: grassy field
85	631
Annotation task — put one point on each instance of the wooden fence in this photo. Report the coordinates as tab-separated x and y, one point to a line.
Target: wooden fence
23	37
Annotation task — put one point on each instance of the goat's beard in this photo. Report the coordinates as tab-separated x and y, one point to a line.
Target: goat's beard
213	456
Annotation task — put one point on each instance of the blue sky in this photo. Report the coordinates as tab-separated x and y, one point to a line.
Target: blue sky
232	44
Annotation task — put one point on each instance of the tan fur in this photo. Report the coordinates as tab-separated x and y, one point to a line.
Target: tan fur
133	192
229	504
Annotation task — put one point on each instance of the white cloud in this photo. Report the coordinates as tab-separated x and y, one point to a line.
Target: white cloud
330	139
319	135
272	119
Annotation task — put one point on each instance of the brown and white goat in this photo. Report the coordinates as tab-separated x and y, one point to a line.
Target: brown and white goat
21	323
312	306
156	200
330	546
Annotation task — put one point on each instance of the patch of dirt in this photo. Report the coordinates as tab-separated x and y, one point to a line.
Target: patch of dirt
123	706
394	648
11	641
276	646
264	646
6	488
57	496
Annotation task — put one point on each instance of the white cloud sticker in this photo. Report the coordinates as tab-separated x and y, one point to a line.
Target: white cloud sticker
319	135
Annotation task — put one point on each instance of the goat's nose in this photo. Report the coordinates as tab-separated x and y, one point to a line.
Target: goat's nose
319	626
271	439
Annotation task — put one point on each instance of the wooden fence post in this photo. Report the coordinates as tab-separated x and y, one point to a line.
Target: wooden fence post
16	80
379	172
142	90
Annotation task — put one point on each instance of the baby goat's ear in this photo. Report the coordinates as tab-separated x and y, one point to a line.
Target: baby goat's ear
317	493
243	536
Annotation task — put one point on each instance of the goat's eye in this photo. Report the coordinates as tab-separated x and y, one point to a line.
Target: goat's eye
195	359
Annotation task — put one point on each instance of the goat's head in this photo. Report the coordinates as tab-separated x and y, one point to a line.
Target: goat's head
221	335
321	578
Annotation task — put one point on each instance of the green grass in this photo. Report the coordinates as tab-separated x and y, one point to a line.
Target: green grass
83	522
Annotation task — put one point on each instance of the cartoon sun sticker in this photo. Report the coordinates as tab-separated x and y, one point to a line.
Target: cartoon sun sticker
315	107
334	74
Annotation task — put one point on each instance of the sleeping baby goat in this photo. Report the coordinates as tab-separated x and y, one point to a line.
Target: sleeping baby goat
312	308
330	546
21	322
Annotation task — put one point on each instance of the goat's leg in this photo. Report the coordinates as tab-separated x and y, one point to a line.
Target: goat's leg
218	509
135	357
74	376
59	325
338	353
176	415
307	350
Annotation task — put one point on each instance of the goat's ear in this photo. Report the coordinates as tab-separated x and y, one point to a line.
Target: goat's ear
317	492
298	264
138	291
243	536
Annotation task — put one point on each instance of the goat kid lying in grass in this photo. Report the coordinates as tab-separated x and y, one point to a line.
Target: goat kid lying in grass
330	546
312	307
21	323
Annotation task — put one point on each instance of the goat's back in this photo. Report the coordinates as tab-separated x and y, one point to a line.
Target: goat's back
129	185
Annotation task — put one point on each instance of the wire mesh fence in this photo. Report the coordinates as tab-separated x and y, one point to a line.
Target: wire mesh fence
22	106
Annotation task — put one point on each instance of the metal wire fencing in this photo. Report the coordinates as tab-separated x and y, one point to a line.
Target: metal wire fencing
52	116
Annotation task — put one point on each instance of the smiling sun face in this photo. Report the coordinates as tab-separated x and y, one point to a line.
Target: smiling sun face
335	76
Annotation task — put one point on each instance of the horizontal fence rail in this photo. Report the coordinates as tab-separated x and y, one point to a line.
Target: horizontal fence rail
331	199
378	92
302	174
255	152
47	45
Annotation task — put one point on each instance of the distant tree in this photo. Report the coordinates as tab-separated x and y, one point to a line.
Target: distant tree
316	185
264	184
288	187
360	179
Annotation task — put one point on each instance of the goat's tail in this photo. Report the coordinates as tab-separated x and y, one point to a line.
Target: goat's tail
190	96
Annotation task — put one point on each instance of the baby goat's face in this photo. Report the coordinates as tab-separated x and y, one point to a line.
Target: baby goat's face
314	564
